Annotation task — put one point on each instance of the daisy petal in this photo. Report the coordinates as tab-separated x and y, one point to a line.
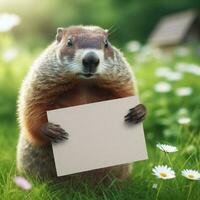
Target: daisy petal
167	148
163	172
184	120
162	87
191	174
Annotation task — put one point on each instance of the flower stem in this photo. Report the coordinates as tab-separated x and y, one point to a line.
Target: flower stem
176	182
190	189
186	162
169	159
157	195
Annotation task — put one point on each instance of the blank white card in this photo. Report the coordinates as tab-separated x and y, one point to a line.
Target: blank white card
98	136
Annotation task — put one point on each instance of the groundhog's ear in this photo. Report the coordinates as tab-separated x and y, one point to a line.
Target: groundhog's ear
59	34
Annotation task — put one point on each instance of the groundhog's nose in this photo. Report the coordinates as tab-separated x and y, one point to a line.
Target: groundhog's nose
90	62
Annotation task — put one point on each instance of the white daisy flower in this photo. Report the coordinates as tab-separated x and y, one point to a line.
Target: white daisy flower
167	148
149	52
10	54
189	68
133	46
161	71
8	21
184	120
167	73
173	76
184	91
163	172
162	87
191	174
194	69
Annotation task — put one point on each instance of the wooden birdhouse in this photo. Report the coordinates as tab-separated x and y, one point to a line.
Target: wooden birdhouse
176	29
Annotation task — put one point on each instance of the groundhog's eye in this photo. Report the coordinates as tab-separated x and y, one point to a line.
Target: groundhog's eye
69	43
106	43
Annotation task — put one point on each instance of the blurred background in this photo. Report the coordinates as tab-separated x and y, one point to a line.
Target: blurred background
130	19
160	39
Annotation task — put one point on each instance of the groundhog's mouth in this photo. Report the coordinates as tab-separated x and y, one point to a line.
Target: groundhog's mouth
87	75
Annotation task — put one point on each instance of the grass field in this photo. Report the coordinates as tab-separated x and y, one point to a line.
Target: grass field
160	78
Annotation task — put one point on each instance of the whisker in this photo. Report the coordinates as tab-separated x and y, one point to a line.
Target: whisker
112	26
112	31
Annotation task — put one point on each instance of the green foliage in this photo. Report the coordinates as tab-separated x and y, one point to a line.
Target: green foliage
11	74
129	19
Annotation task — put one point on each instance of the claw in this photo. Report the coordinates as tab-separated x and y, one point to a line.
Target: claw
136	114
54	133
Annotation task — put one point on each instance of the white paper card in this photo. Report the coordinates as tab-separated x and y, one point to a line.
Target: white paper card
98	136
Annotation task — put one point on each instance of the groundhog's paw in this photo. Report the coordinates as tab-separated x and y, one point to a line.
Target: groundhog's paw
54	133
136	114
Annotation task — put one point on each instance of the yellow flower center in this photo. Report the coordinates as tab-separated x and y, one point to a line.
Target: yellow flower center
163	174
190	176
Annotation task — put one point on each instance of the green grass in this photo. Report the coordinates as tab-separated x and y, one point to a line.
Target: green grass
160	126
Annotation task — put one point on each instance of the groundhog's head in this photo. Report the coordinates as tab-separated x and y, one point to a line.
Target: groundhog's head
86	52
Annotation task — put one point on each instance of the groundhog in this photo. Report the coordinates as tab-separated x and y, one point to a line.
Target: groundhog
79	67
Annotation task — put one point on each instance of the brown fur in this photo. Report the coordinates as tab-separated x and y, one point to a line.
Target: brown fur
48	86
80	93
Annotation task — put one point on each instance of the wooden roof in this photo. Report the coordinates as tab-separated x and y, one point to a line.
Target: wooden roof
171	29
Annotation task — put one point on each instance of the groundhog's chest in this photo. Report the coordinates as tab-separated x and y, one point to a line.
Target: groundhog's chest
83	94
